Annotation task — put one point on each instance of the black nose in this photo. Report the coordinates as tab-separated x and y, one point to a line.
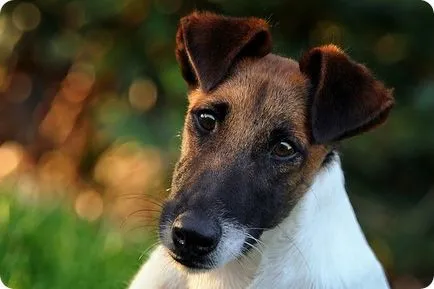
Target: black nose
195	234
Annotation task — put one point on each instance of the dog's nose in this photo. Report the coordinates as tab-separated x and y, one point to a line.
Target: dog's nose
195	234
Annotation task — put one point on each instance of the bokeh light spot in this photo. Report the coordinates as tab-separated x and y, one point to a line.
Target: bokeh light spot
129	166
26	16
142	94
391	48
11	155
9	36
55	168
327	31
89	205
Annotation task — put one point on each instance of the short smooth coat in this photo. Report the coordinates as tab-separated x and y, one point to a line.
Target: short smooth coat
319	246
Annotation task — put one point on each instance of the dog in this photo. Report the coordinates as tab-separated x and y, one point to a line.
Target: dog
258	198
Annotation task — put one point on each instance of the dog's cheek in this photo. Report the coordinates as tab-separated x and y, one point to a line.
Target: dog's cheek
281	205
291	187
284	192
264	198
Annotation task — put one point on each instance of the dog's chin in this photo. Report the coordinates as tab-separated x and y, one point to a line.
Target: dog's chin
192	265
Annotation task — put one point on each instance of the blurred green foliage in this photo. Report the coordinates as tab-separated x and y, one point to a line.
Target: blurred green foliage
49	247
390	172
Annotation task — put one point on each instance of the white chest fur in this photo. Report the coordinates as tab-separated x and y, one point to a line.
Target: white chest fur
320	245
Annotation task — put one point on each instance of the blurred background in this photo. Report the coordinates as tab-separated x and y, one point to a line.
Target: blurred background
92	104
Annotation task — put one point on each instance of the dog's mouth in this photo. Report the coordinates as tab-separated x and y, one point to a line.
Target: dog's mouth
210	262
190	262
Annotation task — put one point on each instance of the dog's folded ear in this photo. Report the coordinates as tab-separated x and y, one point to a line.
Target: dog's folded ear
207	45
346	99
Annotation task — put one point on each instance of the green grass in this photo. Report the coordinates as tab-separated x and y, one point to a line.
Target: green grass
49	247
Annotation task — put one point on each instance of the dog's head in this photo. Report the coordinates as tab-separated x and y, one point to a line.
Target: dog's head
258	129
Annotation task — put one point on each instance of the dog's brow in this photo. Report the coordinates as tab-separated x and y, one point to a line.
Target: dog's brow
285	131
220	107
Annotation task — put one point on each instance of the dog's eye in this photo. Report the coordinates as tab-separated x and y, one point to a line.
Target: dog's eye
284	150
206	121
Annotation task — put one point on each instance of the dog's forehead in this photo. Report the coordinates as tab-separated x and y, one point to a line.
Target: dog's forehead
267	91
269	81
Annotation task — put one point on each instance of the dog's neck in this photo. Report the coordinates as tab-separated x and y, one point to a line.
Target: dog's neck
320	245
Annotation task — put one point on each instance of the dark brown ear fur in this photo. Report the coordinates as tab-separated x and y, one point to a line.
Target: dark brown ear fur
346	98
207	46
